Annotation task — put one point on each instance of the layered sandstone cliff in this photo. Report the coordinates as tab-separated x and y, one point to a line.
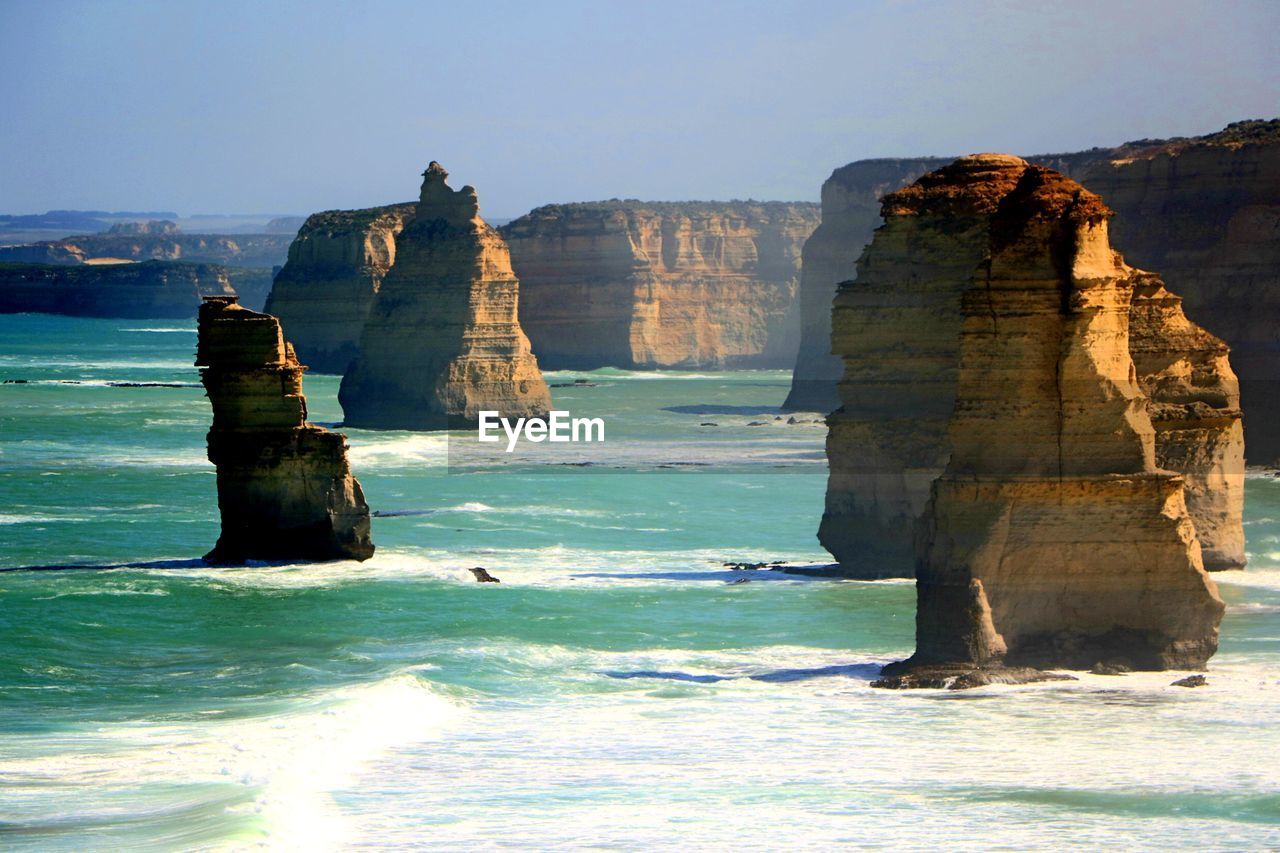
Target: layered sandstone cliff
285	490
661	284
1052	539
443	339
151	289
850	213
898	326
336	265
238	250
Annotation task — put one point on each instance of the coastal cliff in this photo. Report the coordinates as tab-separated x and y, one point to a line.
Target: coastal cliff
151	289
1052	538
661	284
285	490
336	265
443	340
850	213
899	327
161	242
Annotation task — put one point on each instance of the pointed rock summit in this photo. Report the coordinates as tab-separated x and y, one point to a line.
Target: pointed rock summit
443	340
992	406
284	487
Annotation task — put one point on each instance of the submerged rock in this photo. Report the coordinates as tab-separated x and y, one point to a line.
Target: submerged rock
1191	681
1052	539
443	340
285	490
482	575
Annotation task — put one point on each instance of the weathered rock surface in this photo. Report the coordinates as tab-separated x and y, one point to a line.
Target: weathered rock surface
236	250
149	289
850	213
661	284
336	265
1052	539
284	487
899	327
443	339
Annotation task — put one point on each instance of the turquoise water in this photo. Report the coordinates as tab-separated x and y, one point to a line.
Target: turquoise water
614	690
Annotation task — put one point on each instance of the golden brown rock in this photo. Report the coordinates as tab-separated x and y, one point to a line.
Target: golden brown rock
336	266
661	284
443	340
1052	539
285	490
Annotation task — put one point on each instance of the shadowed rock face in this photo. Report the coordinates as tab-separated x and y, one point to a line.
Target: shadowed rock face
443	340
1052	538
901	325
149	289
336	266
284	487
661	284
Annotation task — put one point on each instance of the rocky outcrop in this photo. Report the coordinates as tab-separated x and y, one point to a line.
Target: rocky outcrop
238	250
284	488
850	213
898	326
661	284
1052	538
150	289
336	265
443	339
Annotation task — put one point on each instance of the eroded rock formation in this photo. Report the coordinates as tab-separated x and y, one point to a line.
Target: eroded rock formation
150	289
285	490
336	265
443	339
1052	538
661	284
850	213
898	326
261	251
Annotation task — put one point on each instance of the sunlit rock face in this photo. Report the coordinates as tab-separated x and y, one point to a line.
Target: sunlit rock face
1052	538
325	290
662	284
443	341
285	490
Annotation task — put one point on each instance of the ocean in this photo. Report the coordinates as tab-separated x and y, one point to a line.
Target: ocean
616	690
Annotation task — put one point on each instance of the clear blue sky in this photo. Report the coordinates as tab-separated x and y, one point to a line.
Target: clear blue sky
298	106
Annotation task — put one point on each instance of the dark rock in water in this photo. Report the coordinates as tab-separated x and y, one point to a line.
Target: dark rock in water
16	381
151	385
737	581
792	420
909	676
482	575
709	423
757	423
1191	681
577	383
284	487
1110	668
751	567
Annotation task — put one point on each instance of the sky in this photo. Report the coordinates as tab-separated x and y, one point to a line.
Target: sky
293	107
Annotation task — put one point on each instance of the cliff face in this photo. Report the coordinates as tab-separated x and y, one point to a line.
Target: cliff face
850	213
336	265
443	339
150	289
238	250
899	328
284	488
1205	212
1052	539
661	284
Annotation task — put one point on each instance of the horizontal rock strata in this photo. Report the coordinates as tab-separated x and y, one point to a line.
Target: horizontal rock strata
336	265
661	284
285	490
443	341
236	250
1052	539
151	289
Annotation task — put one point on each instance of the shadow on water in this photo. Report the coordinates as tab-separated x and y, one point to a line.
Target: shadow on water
713	409
864	671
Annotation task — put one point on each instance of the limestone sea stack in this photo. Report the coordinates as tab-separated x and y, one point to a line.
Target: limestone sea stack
285	490
1053	538
661	284
443	340
336	265
899	325
850	213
